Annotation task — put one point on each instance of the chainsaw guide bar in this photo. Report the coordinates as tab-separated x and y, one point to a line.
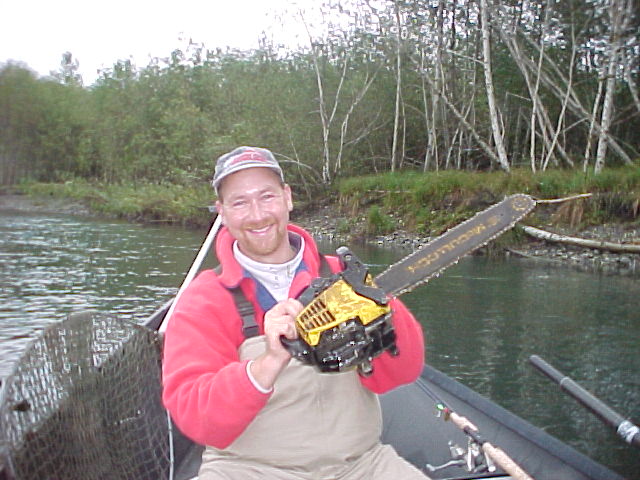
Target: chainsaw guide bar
346	322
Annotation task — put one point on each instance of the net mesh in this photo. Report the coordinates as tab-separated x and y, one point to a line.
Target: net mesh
84	402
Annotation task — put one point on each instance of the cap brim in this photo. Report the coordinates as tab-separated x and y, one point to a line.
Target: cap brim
243	166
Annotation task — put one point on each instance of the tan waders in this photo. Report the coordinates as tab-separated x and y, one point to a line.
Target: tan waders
316	426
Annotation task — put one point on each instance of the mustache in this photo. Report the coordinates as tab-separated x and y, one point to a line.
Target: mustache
257	225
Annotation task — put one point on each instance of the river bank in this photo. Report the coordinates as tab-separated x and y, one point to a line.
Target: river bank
26	203
323	222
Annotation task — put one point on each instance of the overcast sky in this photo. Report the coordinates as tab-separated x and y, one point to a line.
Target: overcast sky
38	32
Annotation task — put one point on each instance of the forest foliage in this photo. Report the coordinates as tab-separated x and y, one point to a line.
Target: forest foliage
387	86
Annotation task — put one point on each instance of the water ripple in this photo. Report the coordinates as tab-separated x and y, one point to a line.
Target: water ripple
51	266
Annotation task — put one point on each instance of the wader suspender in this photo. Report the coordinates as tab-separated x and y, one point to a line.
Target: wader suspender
245	308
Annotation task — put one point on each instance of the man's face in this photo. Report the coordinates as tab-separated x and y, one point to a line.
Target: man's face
255	208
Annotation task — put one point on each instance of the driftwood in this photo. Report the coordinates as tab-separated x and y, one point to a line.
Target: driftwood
565	199
582	242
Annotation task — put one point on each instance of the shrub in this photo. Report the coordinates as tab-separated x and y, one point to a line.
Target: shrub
379	223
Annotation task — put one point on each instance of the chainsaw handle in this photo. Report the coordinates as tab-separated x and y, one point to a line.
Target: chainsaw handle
286	343
297	348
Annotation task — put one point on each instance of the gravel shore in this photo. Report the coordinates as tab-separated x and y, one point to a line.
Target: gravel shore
25	203
324	224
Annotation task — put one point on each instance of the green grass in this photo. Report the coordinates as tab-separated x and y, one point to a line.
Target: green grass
166	203
434	201
427	203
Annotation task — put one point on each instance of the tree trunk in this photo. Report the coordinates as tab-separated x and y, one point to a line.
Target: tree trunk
542	117
428	124
488	76
535	98
615	14
324	121
461	118
592	123
564	102
396	119
628	75
328	112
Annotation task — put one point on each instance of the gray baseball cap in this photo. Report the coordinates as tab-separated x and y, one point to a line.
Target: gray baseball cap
241	158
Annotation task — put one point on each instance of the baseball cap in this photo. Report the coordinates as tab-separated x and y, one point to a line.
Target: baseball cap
241	158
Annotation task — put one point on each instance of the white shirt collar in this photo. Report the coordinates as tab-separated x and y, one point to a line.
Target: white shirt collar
276	278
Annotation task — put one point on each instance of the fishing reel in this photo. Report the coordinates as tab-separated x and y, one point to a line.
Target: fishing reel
472	459
346	322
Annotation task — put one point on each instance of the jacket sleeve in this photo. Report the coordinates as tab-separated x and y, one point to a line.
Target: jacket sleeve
392	371
205	385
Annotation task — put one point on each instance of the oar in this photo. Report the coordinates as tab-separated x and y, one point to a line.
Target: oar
197	263
496	454
626	429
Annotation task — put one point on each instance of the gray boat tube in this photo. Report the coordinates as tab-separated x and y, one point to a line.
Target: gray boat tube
628	431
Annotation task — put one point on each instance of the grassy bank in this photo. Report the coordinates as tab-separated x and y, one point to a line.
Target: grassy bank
424	203
168	203
432	202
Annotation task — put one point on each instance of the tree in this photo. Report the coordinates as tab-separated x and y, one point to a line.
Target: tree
493	110
68	73
381	85
620	13
332	57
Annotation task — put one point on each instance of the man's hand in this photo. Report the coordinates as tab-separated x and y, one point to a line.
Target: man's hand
279	321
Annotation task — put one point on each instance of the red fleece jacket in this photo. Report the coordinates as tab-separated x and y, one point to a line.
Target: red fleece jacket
206	387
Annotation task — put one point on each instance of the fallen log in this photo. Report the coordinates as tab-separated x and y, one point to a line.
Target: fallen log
565	199
581	242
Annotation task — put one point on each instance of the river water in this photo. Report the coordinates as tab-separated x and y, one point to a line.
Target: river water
482	318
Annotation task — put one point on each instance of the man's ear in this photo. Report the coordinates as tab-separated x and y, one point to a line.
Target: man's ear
287	191
219	209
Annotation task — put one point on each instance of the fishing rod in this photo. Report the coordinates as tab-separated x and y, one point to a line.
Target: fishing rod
193	270
494	453
197	263
629	432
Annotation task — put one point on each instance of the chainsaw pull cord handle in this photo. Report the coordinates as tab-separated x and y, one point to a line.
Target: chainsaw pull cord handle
354	272
298	347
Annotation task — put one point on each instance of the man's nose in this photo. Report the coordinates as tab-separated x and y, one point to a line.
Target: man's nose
255	210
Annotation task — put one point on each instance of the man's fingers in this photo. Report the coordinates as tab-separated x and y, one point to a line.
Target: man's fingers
283	330
292	332
280	321
284	312
291	307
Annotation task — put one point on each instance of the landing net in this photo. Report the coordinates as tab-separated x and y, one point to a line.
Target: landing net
84	403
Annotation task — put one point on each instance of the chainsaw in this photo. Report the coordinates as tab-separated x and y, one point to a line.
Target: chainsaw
346	320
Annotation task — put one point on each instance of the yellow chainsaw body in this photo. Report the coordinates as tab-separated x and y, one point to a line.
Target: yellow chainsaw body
335	306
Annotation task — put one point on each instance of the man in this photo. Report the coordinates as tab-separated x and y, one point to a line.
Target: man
261	413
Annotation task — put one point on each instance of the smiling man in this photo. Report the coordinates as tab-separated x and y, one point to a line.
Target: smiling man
255	211
230	384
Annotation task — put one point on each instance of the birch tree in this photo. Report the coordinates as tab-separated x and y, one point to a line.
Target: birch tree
556	81
618	16
331	106
493	110
396	119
